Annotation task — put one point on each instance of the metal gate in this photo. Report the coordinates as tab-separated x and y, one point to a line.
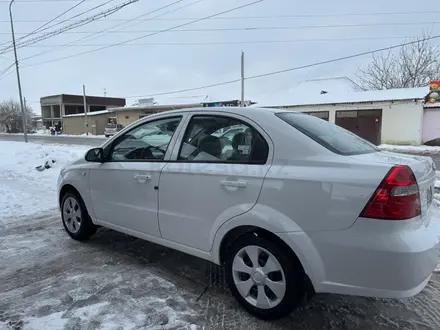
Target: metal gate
365	123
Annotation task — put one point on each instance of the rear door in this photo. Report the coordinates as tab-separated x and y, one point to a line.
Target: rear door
206	183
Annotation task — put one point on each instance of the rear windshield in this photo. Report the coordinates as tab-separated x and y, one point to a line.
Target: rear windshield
110	126
330	136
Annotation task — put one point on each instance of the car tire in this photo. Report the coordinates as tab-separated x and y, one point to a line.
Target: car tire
76	219
107	136
287	286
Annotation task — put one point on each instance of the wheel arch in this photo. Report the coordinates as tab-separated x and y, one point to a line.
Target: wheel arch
234	234
64	189
276	226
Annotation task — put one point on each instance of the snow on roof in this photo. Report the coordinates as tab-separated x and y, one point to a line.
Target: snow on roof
330	85
93	113
290	99
184	99
432	105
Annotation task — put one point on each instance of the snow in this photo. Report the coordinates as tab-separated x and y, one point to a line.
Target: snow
339	85
46	132
24	191
411	149
290	98
93	113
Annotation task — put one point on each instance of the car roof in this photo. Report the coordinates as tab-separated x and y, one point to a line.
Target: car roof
245	111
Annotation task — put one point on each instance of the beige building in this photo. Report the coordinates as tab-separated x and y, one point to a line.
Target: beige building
127	115
75	124
55	107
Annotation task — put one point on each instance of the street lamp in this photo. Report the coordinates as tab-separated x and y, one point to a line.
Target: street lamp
23	114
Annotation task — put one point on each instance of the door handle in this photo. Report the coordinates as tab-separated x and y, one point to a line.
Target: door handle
235	184
142	177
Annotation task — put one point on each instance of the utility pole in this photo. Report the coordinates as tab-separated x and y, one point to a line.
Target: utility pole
242	79
86	122
23	114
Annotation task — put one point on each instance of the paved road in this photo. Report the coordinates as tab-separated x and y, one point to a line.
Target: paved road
123	281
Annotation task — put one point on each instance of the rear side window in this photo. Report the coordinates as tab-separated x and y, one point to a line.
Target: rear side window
330	136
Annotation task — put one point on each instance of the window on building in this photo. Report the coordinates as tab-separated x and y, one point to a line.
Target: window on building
319	114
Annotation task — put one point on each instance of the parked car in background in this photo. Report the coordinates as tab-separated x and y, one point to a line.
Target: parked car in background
292	206
111	129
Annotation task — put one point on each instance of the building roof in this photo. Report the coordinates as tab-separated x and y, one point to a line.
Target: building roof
291	100
93	113
151	108
432	105
329	85
91	100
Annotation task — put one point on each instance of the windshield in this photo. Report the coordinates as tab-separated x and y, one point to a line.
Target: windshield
110	126
330	136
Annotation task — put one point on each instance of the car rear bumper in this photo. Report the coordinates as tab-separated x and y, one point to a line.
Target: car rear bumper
373	258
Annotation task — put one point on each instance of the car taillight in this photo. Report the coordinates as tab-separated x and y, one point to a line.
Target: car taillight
396	198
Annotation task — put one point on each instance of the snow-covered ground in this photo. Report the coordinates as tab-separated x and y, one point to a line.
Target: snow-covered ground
99	293
411	149
47	132
24	191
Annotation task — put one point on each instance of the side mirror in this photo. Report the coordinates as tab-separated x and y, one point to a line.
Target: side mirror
95	155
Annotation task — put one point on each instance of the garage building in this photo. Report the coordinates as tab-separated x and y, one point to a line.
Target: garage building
395	116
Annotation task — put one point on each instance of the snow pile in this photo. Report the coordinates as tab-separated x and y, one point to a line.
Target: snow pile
24	190
47	133
418	150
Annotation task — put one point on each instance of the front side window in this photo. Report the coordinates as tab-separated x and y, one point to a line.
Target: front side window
224	140
147	142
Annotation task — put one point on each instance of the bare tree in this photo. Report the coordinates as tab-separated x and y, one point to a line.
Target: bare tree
414	65
10	116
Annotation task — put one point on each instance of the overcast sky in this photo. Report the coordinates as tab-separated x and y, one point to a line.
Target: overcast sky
177	60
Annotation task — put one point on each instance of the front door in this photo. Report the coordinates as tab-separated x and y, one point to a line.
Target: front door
124	188
215	177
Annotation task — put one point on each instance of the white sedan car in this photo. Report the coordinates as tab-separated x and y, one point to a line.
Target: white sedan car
291	205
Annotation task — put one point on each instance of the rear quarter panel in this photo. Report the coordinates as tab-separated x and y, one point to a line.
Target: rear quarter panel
319	194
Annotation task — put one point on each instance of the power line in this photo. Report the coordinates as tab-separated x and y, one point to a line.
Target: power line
143	15
79	14
73	25
77	22
205	43
36	1
257	17
50	21
151	34
104	30
256	28
288	70
3	73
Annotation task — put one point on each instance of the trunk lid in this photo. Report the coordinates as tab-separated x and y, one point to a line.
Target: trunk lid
424	171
